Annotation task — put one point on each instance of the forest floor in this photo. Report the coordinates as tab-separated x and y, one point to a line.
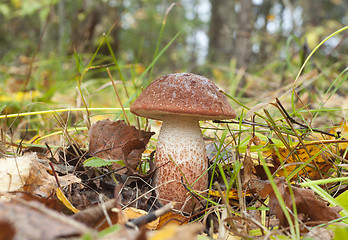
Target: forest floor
278	170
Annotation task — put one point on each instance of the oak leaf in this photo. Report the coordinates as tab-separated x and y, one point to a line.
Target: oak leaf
118	141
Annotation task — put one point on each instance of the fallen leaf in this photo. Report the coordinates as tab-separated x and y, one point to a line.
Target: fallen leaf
95	216
125	233
60	195
319	233
50	203
35	221
40	182
118	141
25	173
42	152
341	131
232	194
287	161
248	164
132	213
172	218
174	232
309	207
15	171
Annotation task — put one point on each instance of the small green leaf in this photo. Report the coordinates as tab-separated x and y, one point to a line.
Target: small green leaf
99	162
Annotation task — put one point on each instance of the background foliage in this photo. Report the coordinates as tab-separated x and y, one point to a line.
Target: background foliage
248	47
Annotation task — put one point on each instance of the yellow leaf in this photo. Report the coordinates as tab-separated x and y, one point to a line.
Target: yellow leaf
317	161
232	194
65	201
165	233
132	213
173	232
172	218
341	131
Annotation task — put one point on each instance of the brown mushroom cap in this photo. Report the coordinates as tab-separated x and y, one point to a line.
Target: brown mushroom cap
185	94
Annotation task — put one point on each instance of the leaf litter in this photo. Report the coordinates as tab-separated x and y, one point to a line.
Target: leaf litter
131	143
121	142
309	208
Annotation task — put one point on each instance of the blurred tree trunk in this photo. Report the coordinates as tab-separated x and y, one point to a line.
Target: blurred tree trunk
221	30
62	36
243	34
265	43
313	12
229	33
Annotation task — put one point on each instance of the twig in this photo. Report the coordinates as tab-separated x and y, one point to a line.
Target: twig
300	124
105	212
141	221
304	127
55	174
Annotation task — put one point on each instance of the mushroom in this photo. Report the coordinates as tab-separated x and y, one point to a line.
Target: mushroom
180	100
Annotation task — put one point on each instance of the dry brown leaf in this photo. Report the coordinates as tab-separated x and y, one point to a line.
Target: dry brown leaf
37	222
248	164
14	172
319	233
50	203
27	174
309	207
42	183
117	140
95	217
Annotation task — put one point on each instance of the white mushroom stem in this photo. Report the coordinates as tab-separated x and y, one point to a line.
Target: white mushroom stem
181	141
